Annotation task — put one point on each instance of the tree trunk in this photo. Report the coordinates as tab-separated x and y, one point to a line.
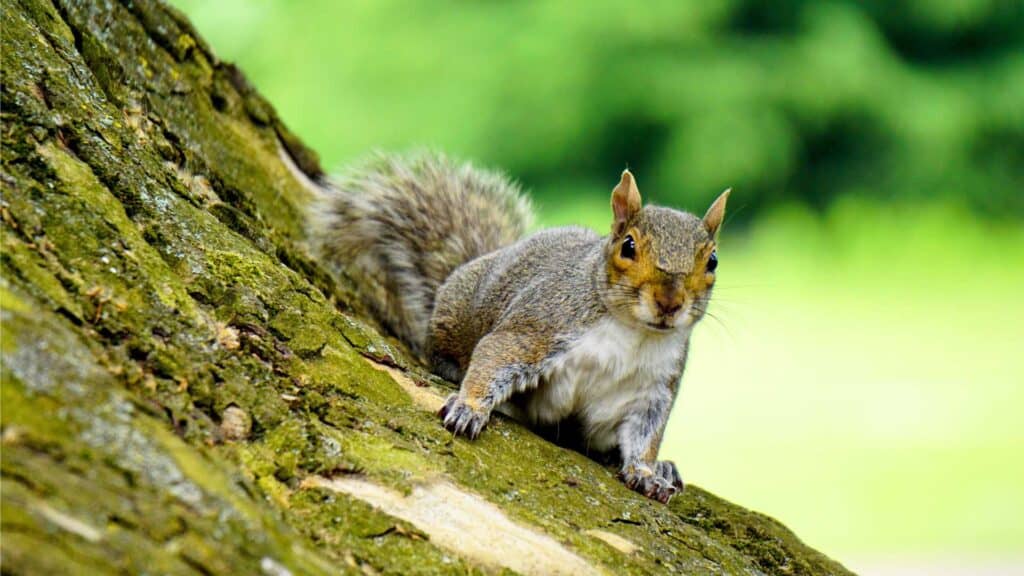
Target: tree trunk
186	392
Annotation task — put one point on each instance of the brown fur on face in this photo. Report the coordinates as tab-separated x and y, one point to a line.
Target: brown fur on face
665	282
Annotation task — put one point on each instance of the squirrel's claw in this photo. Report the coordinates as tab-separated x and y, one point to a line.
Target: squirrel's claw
667	469
459	418
660	484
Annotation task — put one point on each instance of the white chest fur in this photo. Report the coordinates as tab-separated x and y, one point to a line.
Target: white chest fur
609	372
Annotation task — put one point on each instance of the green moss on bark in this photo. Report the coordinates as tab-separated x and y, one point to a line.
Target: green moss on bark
154	280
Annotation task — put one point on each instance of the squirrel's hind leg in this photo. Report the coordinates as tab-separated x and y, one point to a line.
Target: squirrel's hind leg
446	368
503	364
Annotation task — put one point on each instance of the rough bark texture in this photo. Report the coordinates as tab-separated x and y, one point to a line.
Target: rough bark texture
185	392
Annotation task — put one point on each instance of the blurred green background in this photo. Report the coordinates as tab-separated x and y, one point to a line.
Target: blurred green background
863	378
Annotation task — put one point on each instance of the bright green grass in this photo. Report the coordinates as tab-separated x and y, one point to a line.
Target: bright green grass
864	379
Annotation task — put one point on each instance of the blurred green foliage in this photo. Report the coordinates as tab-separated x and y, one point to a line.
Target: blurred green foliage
789	99
862	359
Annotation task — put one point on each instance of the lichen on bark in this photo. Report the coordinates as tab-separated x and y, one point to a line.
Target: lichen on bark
186	392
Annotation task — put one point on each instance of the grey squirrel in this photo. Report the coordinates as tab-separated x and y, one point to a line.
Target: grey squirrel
560	324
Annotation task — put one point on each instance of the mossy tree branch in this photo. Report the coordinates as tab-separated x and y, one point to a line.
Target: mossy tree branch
185	392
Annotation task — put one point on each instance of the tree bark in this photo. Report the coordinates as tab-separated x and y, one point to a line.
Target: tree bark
186	392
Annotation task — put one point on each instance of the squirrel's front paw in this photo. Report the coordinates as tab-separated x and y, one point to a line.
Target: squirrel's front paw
660	482
460	418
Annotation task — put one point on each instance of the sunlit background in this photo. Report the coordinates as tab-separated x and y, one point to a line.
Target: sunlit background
862	378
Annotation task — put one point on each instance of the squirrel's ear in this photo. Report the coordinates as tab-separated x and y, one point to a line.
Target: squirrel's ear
716	213
625	202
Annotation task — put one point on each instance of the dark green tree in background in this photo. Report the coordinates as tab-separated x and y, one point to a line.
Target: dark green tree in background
788	100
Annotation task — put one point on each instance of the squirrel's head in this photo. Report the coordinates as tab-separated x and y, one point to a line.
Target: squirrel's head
661	262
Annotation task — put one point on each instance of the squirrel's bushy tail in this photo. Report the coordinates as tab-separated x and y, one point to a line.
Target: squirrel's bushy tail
399	225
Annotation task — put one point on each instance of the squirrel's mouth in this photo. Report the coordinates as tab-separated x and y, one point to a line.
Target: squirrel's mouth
661	326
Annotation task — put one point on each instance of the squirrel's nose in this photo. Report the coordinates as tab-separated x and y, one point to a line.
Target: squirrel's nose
667	304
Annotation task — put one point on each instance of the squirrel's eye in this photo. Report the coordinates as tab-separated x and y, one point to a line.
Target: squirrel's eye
712	261
628	248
